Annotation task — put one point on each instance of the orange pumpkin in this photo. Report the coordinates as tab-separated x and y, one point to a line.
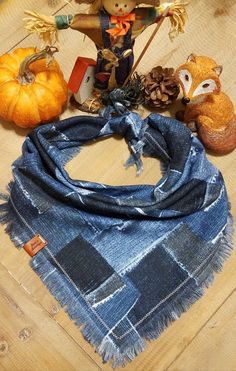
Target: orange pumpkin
31	91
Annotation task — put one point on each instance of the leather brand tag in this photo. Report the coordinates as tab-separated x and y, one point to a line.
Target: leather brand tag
36	244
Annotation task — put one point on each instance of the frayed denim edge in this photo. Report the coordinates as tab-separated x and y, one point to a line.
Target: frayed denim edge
8	217
153	327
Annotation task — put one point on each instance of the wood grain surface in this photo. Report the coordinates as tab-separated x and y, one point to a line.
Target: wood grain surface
35	332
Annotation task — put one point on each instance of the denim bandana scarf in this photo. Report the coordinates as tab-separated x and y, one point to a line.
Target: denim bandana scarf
124	261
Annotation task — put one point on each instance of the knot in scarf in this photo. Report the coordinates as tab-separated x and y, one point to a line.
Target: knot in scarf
122	24
124	260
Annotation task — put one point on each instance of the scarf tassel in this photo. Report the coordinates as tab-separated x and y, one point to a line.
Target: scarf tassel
9	218
136	149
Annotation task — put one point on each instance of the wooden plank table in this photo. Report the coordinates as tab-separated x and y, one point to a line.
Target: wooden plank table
35	332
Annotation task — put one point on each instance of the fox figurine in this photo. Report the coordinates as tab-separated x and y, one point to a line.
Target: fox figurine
208	109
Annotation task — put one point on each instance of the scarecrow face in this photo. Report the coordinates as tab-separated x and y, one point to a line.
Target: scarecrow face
119	7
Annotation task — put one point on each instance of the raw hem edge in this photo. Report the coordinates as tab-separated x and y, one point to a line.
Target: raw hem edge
153	327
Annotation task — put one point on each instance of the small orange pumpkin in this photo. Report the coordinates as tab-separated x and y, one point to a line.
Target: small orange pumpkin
32	91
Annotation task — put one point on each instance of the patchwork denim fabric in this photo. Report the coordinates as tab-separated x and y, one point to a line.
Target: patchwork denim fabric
124	261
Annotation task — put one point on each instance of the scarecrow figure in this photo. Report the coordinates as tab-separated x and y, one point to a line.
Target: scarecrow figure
113	26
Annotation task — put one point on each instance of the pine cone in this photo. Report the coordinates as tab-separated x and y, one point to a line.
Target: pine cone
160	87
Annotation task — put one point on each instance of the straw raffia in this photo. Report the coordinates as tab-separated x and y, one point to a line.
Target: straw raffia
44	26
178	18
46	29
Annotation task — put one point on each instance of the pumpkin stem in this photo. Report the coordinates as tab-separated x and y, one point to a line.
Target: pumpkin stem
26	76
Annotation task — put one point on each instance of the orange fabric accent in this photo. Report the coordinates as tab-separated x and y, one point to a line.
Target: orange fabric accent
36	244
122	24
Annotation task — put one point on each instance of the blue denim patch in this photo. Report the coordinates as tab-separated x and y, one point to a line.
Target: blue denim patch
123	261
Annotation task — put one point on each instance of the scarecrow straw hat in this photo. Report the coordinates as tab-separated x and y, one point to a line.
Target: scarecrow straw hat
148	2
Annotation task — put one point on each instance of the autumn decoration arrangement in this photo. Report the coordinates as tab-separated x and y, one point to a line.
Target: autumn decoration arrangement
33	89
108	251
113	26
